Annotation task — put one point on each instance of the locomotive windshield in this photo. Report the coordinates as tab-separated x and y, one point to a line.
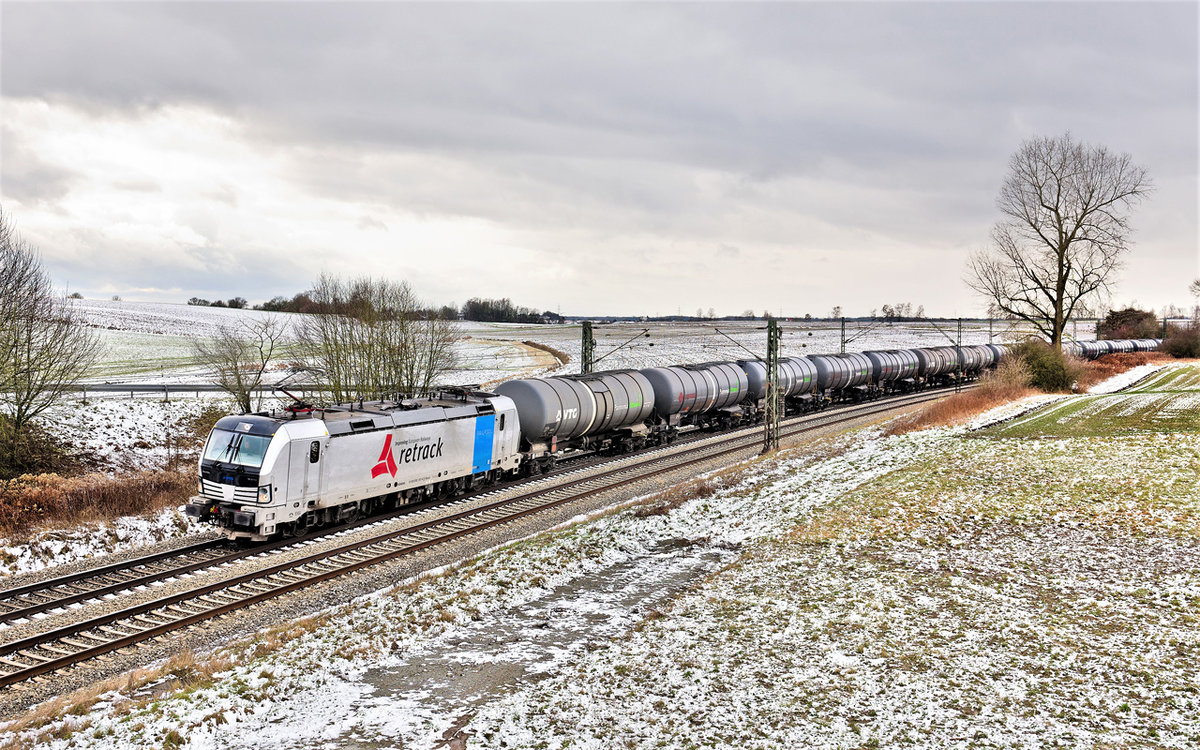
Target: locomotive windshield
236	448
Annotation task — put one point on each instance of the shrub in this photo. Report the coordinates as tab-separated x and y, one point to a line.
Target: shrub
31	501
1182	342
1049	370
1129	323
31	450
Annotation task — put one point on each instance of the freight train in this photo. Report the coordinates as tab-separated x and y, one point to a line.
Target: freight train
283	473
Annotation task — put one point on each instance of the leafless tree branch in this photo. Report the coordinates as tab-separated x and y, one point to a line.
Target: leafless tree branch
1064	231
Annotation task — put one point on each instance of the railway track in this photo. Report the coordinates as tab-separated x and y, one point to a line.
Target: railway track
59	648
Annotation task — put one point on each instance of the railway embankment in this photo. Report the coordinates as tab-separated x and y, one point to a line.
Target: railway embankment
1029	582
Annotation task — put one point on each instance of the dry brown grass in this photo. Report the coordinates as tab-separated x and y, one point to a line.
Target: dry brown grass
1114	364
669	499
560	355
1008	382
35	501
957	409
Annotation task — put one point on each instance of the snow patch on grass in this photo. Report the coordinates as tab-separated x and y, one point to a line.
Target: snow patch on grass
62	546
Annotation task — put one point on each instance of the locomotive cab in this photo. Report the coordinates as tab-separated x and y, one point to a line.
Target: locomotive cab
245	482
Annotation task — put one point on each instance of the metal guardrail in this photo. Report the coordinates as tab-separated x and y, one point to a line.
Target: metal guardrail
166	389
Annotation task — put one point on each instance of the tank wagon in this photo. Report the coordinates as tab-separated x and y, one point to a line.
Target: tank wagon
597	411
280	474
701	395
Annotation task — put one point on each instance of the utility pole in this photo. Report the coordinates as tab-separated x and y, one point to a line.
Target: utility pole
958	356
843	335
774	402
587	350
989	330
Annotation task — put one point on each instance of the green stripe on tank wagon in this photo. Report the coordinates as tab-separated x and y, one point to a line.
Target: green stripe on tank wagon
733	389
638	405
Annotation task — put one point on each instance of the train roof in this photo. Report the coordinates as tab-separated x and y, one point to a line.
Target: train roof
364	416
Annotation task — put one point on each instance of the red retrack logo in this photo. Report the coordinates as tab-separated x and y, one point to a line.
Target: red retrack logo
386	464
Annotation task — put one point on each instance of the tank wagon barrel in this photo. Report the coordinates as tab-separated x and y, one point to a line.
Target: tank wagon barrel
559	410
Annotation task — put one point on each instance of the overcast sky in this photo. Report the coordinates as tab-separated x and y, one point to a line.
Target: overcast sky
598	159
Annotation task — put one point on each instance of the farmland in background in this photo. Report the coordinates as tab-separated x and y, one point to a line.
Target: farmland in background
150	342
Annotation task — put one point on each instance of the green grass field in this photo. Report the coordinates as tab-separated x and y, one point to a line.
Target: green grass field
1168	402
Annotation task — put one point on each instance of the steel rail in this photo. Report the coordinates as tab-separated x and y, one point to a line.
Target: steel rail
73	588
213	600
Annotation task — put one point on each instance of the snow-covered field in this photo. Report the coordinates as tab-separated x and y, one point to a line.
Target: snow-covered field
151	342
946	588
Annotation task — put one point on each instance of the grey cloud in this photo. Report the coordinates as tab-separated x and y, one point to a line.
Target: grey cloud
26	178
784	125
367	222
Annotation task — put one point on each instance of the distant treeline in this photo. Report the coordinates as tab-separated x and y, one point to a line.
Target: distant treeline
504	311
236	303
486	310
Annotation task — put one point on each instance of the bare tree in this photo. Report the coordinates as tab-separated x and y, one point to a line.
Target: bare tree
238	357
836	312
1194	288
372	337
1065	229
45	348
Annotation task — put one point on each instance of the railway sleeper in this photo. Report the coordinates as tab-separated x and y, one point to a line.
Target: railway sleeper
59	651
36	657
14	664
194	609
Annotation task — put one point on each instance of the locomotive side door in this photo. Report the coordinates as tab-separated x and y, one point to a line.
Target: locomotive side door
304	470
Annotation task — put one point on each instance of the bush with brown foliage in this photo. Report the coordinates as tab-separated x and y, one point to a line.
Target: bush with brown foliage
1182	342
1129	323
37	500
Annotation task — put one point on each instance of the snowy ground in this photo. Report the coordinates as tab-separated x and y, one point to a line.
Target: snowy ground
63	546
947	588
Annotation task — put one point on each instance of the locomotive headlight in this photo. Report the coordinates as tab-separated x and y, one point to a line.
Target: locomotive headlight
264	494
